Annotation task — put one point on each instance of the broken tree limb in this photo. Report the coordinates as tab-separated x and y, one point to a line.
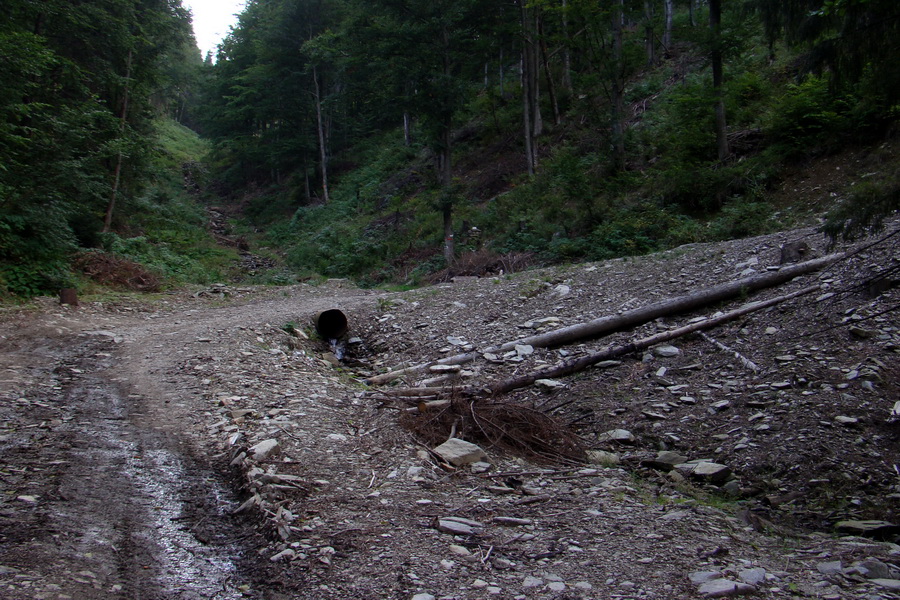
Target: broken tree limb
744	360
608	324
581	363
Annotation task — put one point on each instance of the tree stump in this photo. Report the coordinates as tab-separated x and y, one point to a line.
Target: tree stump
68	296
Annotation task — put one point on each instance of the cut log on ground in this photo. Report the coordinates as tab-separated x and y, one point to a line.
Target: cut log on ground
583	362
579	364
609	324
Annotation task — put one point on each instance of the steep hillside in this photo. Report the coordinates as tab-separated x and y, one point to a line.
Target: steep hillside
799	155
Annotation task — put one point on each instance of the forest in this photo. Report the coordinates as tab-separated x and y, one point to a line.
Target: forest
405	141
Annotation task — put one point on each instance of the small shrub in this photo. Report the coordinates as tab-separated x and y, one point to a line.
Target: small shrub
869	203
740	219
809	118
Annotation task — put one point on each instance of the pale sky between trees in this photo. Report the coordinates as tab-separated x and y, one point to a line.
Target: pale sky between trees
212	20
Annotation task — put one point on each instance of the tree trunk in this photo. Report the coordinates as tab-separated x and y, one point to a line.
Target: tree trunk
715	22
502	75
669	7
526	119
583	362
407	130
567	54
449	246
551	89
110	208
692	13
618	88
445	157
606	325
323	144
649	34
530	87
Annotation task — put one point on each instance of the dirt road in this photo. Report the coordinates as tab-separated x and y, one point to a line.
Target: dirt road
107	490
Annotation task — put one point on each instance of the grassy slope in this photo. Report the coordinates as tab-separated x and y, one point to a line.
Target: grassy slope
165	229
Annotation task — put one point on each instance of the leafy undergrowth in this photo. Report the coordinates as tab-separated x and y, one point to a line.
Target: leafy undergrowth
800	153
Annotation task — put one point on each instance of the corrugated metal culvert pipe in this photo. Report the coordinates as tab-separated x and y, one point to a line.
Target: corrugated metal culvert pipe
331	324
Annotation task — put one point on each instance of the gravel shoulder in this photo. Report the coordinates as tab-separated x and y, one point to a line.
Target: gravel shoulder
180	394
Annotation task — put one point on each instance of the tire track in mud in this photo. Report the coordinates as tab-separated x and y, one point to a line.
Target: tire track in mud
99	504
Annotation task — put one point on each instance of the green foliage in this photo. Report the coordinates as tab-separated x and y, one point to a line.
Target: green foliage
866	207
360	70
77	96
641	229
742	218
809	118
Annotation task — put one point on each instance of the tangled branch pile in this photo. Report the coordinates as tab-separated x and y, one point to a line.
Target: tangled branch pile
513	427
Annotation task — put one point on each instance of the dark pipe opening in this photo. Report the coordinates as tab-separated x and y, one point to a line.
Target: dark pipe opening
331	324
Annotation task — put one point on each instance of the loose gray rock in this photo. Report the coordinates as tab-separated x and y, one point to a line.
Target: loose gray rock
701	577
622	436
665	460
873	568
795	251
874	529
708	471
524	349
732	488
265	449
549	384
606	364
666	351
830	568
600	457
725	588
653	416
459	452
753	576
561	291
556	586
457	526
891	584
481	467
512	521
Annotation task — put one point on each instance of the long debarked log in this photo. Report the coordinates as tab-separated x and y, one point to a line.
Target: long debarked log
605	325
581	363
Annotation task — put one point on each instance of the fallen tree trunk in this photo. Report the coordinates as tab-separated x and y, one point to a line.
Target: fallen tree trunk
609	324
578	364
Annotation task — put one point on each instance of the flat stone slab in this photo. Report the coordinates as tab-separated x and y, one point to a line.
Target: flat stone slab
872	529
665	460
265	449
725	588
459	452
709	471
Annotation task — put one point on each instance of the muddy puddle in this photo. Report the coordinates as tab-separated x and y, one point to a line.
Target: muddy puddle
97	504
